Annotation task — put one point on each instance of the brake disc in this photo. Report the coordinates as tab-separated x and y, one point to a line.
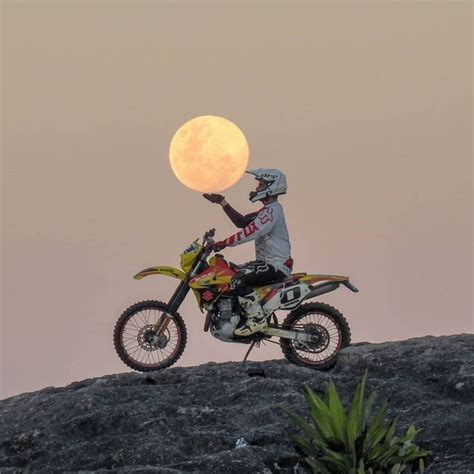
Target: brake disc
148	339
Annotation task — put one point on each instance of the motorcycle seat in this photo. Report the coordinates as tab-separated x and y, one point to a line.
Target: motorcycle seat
288	279
292	277
272	282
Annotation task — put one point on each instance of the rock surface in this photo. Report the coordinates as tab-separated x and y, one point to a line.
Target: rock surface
189	419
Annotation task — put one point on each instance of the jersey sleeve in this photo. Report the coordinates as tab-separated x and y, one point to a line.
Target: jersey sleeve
238	219
260	226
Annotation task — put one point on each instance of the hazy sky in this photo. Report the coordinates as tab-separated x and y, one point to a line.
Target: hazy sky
366	106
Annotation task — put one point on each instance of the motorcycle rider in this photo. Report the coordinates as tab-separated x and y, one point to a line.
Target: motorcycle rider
267	227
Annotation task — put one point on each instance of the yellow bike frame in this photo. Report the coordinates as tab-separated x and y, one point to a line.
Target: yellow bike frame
171	272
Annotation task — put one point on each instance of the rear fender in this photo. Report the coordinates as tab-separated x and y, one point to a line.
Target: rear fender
310	279
168	271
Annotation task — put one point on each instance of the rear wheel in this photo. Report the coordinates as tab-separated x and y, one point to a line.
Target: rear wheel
136	340
331	332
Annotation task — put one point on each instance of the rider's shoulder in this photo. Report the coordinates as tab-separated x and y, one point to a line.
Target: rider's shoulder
274	208
273	205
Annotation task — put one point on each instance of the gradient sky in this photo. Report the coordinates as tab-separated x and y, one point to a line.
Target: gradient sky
366	106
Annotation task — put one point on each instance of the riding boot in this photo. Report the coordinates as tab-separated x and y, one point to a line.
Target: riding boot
256	320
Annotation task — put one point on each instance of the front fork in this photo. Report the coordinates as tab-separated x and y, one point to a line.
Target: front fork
180	293
173	305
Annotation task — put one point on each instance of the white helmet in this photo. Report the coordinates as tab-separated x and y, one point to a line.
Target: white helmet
276	183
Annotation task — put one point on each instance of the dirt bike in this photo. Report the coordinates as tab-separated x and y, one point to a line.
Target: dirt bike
151	335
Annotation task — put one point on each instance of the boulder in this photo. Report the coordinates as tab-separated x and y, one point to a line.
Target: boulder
219	417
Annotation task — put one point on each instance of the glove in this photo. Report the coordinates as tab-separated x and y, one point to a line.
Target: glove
219	245
215	198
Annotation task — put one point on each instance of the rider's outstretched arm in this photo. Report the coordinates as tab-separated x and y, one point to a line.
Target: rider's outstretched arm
236	217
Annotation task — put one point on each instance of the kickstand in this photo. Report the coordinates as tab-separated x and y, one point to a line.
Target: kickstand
248	352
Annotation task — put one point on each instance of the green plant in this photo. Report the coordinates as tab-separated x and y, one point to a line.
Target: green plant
356	442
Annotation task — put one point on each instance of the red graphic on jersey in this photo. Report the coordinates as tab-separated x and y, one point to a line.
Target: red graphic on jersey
230	240
250	229
266	215
246	232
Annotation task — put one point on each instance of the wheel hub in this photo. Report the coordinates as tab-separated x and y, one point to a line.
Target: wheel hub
149	340
320	338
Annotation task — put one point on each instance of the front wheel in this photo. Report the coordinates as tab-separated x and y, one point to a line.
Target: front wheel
331	333
137	342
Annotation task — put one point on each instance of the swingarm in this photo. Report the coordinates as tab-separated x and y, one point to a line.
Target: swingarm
290	334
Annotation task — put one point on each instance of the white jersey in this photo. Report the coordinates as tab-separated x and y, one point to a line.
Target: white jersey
268	229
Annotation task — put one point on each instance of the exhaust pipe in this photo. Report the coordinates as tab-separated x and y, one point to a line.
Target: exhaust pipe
321	289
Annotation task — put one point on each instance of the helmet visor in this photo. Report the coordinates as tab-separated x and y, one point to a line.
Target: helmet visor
261	186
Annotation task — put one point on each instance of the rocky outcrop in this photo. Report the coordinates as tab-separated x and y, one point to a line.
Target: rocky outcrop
189	419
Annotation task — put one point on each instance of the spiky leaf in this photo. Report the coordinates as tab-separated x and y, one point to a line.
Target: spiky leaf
319	413
354	418
338	417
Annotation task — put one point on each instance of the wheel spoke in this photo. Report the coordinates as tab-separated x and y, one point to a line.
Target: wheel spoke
139	338
328	332
134	324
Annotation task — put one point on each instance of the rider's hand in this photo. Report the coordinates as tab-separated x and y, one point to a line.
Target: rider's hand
215	198
217	246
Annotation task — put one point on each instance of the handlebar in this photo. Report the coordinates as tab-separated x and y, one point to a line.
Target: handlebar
208	237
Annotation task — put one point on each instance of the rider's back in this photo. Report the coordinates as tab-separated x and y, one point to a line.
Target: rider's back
273	247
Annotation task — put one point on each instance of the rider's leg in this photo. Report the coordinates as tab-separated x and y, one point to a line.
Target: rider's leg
252	274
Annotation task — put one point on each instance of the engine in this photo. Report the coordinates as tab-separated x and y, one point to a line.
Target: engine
224	320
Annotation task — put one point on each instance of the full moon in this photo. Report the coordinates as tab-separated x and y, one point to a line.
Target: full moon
209	154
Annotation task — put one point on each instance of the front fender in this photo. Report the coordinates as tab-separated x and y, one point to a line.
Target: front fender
168	271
